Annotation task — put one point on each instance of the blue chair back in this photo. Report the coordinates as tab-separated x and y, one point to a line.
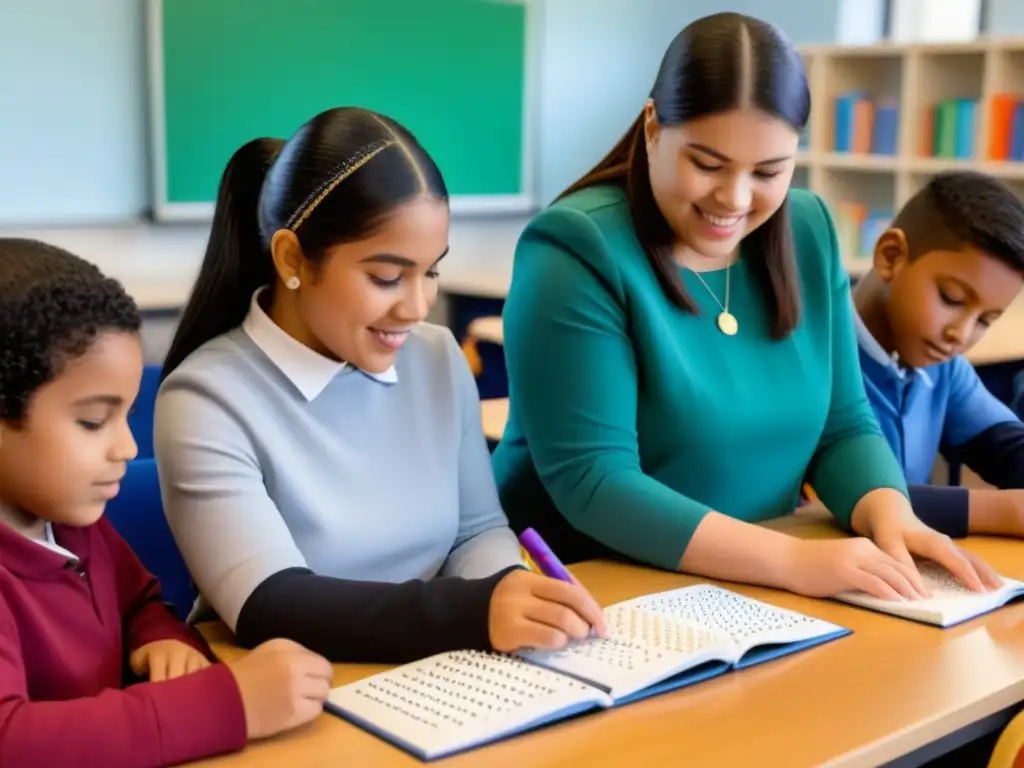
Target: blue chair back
137	514
140	420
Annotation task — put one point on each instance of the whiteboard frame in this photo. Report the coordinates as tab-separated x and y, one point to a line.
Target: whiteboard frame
165	211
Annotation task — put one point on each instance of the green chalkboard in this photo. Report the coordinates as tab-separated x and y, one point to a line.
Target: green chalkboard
226	71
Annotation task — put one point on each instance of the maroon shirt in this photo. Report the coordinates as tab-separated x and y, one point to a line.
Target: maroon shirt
66	630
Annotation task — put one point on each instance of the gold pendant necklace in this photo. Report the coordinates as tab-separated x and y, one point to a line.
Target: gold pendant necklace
727	322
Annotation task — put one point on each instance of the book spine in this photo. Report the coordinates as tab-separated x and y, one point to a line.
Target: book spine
945	129
875	223
1000	126
843	137
886	130
966	123
863	125
1017	132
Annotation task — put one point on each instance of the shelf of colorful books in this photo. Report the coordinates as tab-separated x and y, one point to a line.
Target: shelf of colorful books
946	103
858	103
1005	106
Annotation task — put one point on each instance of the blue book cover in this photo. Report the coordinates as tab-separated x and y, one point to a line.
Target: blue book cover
844	122
966	126
459	700
875	223
1017	133
884	138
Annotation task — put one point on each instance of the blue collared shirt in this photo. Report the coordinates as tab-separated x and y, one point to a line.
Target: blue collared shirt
924	411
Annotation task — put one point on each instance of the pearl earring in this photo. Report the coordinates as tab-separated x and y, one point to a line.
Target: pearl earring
292	283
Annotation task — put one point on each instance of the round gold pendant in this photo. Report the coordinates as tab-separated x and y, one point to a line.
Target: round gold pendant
727	324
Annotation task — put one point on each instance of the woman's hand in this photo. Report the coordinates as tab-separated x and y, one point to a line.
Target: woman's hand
824	568
886	516
532	611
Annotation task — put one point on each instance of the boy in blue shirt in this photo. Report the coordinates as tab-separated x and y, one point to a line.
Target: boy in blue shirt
947	268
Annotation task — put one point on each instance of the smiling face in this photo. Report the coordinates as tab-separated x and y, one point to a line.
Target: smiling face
361	302
941	303
717	178
64	460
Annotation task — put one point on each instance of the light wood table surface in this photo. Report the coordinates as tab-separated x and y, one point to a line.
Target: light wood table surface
891	687
494	415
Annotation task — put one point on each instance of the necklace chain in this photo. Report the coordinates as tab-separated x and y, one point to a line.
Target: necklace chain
723	307
727	323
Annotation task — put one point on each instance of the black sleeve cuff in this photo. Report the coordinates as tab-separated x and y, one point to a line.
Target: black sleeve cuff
369	621
997	454
945	508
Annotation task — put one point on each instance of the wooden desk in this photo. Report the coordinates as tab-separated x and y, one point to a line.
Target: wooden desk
888	689
487	329
494	414
1005	340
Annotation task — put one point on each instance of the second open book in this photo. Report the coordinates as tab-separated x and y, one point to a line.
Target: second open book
950	603
462	699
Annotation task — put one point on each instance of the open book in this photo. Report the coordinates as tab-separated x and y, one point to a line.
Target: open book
462	699
951	601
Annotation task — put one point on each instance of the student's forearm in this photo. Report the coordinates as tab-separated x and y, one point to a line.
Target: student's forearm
144	726
725	548
369	621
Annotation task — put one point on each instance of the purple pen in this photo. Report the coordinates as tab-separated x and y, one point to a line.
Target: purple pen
542	555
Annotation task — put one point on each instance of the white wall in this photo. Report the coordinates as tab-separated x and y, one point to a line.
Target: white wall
73	144
73	141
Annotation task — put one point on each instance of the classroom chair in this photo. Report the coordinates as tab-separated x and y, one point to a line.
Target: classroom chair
140	419
137	513
1009	751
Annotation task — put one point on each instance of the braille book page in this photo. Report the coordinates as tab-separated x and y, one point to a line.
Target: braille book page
746	621
455	700
951	601
642	648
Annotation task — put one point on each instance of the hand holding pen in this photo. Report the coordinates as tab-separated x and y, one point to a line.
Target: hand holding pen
530	610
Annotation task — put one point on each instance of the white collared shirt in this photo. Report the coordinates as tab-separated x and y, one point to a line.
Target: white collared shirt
307	369
51	544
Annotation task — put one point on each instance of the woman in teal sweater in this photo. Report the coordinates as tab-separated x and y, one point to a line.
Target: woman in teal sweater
681	352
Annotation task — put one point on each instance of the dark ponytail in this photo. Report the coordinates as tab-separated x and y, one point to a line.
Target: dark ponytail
702	74
232	269
268	182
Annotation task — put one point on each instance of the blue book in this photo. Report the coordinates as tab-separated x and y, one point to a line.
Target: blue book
1017	132
966	126
875	223
843	139
459	700
884	138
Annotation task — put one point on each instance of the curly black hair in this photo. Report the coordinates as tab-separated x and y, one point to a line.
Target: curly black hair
53	305
958	209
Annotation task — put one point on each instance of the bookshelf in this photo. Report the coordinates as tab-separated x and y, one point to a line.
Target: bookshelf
888	116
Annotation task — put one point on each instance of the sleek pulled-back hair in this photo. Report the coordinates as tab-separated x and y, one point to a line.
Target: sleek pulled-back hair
717	63
336	180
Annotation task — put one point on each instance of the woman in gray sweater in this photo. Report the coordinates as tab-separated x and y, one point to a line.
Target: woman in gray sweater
321	458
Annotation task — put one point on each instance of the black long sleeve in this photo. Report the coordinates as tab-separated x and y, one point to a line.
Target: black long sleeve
946	508
369	621
997	454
